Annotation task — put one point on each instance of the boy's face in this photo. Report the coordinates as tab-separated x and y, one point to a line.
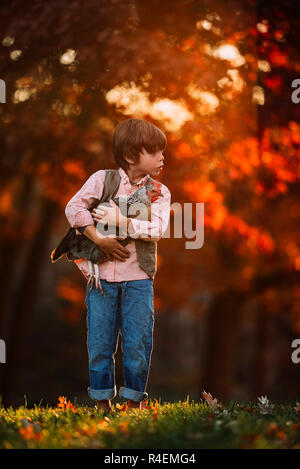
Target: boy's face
151	163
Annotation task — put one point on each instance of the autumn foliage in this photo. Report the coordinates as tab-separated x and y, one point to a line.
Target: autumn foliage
217	81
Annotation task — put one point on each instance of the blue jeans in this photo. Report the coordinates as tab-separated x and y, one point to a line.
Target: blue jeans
126	307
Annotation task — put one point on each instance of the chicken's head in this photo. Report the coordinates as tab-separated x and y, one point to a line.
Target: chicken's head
154	191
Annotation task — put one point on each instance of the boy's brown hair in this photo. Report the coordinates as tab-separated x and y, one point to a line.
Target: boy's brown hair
131	136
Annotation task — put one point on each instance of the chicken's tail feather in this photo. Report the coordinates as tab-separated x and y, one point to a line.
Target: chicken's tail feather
63	246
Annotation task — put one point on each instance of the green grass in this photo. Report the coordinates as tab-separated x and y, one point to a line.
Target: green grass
161	425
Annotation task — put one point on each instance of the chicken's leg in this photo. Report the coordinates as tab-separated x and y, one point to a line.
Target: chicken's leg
94	274
97	279
91	275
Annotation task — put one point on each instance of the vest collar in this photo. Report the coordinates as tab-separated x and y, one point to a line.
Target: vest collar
126	180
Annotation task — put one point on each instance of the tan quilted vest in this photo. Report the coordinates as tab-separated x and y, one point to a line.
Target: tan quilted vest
146	250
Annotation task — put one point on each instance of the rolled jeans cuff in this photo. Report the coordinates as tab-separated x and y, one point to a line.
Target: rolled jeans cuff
133	395
102	394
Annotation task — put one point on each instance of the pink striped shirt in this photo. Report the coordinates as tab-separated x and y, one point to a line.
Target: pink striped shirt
78	215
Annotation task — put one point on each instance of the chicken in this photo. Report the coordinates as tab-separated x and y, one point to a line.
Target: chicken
137	205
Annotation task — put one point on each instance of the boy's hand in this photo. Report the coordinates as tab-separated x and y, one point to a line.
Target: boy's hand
113	249
108	215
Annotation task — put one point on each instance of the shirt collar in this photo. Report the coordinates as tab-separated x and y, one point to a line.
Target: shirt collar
126	180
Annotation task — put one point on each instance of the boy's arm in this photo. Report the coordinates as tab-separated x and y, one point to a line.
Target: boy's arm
150	230
77	209
92	233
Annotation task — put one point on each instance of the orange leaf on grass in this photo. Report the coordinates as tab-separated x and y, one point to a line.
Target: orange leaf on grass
65	405
272	428
122	408
29	433
145	406
123	427
281	435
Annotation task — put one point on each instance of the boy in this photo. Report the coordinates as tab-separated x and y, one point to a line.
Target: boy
127	278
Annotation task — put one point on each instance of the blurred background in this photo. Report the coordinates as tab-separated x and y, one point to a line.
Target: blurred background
217	78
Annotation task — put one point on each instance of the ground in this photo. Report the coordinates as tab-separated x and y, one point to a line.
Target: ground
203	424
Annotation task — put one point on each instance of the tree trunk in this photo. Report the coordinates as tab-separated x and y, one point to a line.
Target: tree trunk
220	360
25	300
11	249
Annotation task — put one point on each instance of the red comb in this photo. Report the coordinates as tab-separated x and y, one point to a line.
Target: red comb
157	185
